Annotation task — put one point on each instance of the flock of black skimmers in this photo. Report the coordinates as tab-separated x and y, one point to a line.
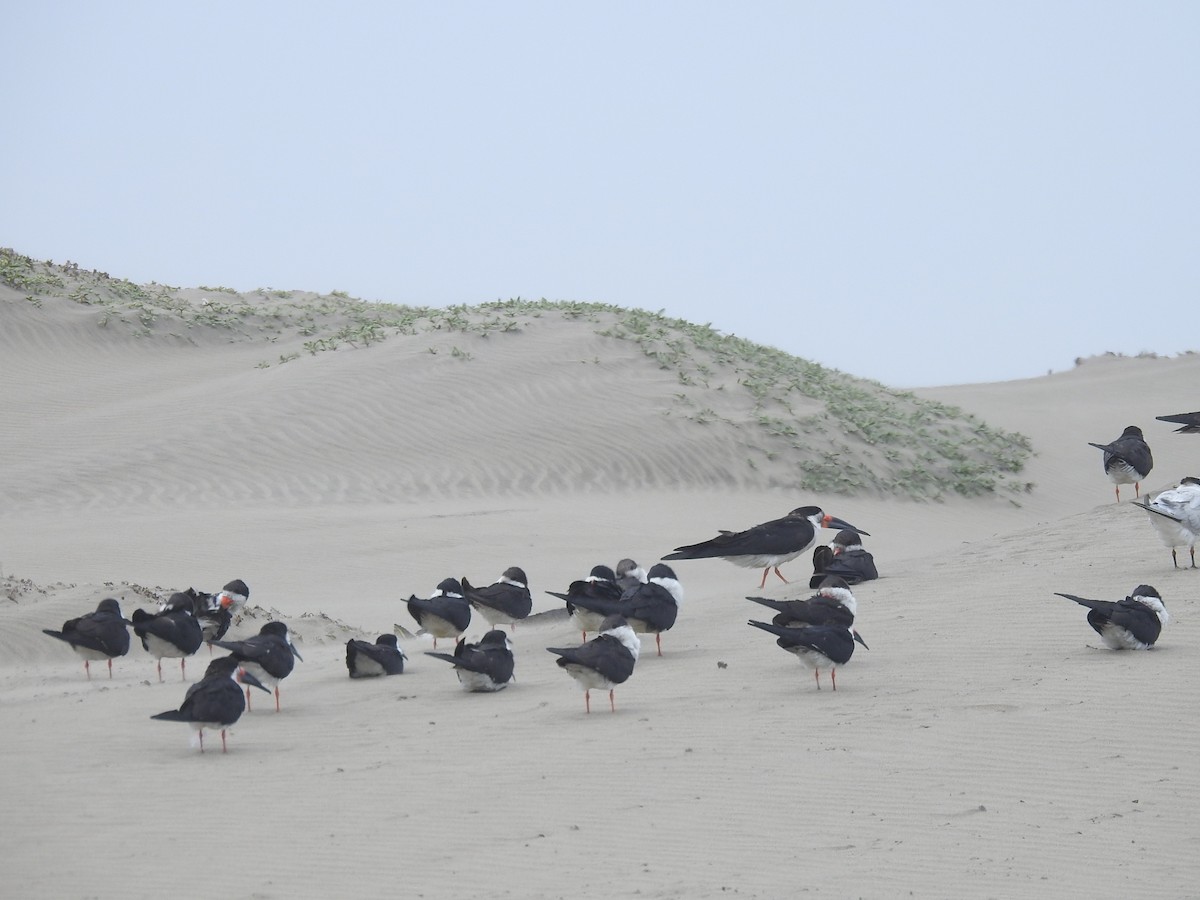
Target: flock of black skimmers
614	605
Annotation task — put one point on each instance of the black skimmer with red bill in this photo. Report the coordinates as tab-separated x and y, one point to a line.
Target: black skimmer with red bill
1175	515
216	611
603	662
766	546
844	557
269	656
1189	422
484	667
172	632
1127	460
443	614
1130	624
833	604
215	701
366	660
103	634
503	602
817	646
600	586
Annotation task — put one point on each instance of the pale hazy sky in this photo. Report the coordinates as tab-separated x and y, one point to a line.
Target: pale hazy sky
922	193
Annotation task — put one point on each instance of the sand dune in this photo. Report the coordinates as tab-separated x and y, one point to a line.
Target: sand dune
985	746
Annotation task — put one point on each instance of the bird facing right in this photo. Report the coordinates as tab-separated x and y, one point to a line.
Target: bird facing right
1130	624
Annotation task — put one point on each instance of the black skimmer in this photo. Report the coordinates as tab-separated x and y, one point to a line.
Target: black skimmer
600	585
443	614
844	557
603	662
269	656
484	667
817	646
1175	515
504	601
103	634
629	574
1130	624
1127	460
1189	422
832	604
766	546
652	607
172	631
216	611
215	701
366	660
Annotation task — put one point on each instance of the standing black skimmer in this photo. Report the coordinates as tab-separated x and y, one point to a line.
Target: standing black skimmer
766	546
1130	624
216	611
817	646
102	634
484	667
445	613
384	657
1127	460
629	574
215	701
600	585
173	631
832	604
652	607
844	557
1189	422
269	656
504	601
603	662
1175	515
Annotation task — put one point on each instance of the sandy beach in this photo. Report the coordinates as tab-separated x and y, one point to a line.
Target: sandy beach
987	745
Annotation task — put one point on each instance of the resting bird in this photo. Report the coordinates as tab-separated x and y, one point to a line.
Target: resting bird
1175	515
102	634
215	612
173	631
503	602
599	587
443	614
652	607
844	557
832	604
269	656
384	657
603	662
1189	422
630	574
1130	624
817	646
215	701
484	667
1127	460
766	546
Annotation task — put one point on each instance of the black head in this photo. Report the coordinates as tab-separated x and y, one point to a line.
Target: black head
807	512
237	586
603	572
223	666
1132	431
516	573
661	570
450	586
387	640
494	638
847	538
1190	480
277	628
1145	590
833	581
109	605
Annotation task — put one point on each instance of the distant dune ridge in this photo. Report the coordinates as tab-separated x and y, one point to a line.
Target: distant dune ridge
987	744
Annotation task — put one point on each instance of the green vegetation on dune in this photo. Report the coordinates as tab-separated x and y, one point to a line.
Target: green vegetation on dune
835	433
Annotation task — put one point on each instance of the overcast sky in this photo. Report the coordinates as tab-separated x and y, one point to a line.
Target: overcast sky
922	193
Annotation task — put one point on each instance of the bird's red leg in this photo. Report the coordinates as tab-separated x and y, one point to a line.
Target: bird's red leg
160	670
817	675
612	704
223	748
1137	489
87	667
183	668
833	677
247	698
587	700
1118	493
780	574
110	667
200	734
276	698
763	583
658	642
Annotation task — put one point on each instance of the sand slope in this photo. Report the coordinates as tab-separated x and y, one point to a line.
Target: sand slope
983	747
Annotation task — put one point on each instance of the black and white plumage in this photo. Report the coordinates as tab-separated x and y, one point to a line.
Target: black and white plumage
817	646
833	604
583	596
215	612
1127	460
171	632
443	614
215	701
1175	515
629	574
484	667
1130	624
367	660
269	656
766	546
102	634
603	662
1189	422
844	557
503	602
653	607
